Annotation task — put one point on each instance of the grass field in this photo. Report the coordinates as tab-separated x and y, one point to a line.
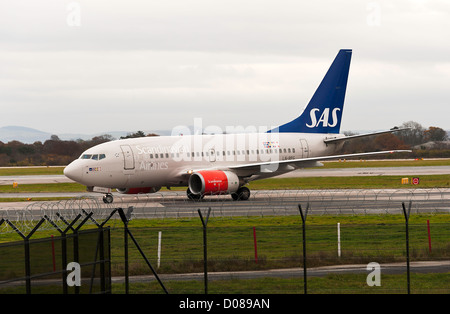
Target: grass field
330	284
360	182
364	239
230	248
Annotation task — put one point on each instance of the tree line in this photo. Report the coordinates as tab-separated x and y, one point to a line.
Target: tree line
56	152
432	142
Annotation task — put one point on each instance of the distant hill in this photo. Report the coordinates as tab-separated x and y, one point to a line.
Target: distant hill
22	134
29	135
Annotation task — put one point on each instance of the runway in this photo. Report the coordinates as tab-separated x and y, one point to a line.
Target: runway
275	202
261	203
308	172
379	171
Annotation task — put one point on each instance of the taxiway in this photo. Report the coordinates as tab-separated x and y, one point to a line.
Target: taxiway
308	172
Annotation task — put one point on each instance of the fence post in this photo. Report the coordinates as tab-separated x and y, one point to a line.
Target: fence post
304	243
205	253
26	241
407	243
339	238
159	249
255	245
63	245
125	252
125	220
100	243
76	250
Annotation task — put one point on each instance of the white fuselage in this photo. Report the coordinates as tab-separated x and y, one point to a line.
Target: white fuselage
165	161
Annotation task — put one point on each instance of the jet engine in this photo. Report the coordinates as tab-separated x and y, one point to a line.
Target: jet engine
213	182
144	190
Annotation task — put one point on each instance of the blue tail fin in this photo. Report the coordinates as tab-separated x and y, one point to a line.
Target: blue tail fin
324	111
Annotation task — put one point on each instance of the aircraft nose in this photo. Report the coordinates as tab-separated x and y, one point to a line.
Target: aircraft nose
73	172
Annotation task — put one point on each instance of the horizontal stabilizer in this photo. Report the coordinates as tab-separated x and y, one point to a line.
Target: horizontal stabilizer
351	137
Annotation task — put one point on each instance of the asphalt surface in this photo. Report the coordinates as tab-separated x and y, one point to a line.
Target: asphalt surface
386	269
314	172
262	202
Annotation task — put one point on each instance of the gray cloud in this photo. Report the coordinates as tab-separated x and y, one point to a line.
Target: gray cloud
157	64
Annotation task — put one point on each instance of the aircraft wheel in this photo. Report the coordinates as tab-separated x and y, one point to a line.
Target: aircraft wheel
108	199
193	196
242	194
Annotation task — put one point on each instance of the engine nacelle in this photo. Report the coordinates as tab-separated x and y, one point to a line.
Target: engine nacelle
144	190
213	182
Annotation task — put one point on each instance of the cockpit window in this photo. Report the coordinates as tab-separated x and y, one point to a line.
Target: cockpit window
93	157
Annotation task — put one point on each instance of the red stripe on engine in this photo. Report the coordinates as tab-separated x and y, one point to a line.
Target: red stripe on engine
215	181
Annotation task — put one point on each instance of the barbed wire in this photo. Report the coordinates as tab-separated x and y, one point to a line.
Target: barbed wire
173	204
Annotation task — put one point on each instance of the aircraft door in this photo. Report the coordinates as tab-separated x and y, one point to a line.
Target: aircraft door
212	155
304	148
128	157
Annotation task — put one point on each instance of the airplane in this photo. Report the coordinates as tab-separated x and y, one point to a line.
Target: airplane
212	164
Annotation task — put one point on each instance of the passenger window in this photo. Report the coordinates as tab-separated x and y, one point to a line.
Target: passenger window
293	150
289	150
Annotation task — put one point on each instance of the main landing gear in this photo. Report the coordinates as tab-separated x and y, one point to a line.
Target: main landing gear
242	194
108	198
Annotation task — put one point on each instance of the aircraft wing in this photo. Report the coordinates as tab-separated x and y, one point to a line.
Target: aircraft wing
279	166
286	165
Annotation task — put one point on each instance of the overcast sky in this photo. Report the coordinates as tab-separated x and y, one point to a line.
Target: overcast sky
92	66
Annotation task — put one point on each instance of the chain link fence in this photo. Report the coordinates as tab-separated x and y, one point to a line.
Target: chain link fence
274	247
